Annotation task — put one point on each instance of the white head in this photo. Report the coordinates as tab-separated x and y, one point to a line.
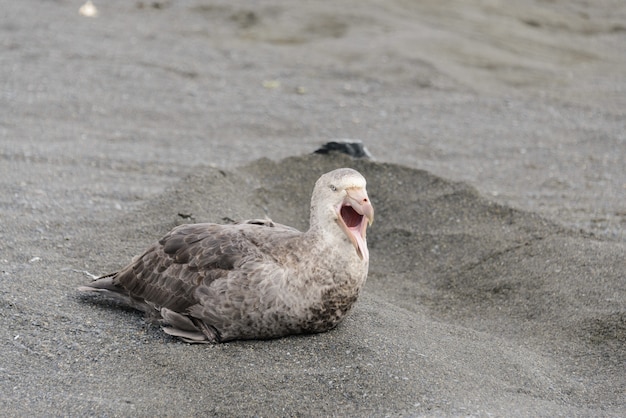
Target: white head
340	199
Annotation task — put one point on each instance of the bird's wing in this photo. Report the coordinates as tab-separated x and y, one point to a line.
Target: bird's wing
169	272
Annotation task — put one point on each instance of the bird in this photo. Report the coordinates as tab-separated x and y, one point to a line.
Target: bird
255	279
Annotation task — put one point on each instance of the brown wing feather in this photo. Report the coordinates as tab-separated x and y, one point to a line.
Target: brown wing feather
171	269
193	255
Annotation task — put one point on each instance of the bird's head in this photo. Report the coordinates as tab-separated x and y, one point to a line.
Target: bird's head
340	197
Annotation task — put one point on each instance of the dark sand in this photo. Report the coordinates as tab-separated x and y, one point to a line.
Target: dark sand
497	282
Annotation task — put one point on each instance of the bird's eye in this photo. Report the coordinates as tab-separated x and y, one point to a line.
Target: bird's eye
333	188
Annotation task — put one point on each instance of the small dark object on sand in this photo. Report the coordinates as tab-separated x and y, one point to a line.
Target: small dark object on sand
353	148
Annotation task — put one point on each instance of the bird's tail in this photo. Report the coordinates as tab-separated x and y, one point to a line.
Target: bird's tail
106	286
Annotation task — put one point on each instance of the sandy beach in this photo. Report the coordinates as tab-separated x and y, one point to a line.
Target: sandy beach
497	282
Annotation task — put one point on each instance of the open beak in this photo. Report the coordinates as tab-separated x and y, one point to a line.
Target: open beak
355	213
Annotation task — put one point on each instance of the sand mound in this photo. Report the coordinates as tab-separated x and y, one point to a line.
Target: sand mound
471	307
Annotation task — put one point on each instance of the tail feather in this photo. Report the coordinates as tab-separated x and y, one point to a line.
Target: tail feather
102	284
183	327
105	285
187	336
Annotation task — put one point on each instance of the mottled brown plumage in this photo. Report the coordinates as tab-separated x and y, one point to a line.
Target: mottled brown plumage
255	279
